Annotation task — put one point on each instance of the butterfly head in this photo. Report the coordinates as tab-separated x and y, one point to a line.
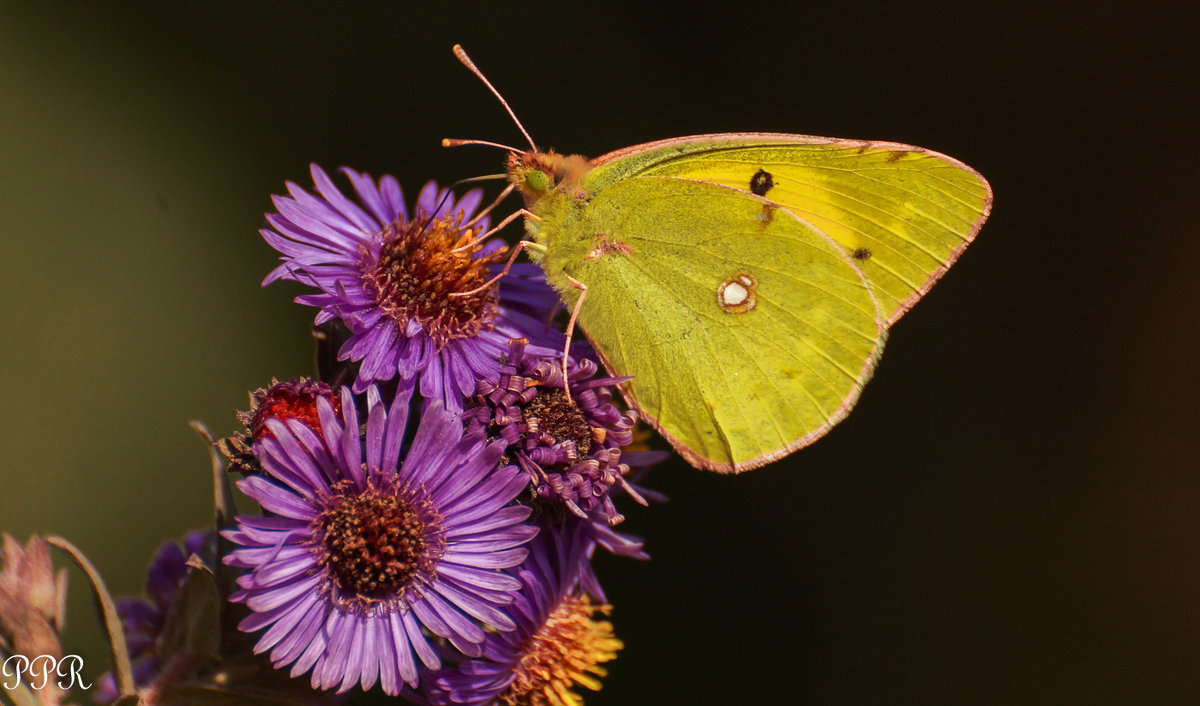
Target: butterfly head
538	174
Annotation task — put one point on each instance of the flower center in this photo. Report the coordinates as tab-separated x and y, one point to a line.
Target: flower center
422	262
377	543
551	413
567	650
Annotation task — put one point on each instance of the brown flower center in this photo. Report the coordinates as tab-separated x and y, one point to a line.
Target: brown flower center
377	543
566	651
422	262
550	412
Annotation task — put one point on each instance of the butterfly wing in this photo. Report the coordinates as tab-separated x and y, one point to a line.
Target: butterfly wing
903	213
749	332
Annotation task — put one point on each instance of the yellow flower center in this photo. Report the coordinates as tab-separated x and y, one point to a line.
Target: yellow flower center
567	651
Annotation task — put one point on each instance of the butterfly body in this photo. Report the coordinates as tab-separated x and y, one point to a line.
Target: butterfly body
746	281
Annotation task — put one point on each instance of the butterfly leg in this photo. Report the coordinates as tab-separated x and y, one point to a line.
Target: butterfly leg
478	216
571	330
521	245
500	226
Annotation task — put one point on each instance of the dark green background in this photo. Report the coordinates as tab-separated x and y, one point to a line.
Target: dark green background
1010	514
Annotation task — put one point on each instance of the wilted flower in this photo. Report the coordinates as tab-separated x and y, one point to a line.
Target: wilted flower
360	557
571	448
33	599
294	399
409	287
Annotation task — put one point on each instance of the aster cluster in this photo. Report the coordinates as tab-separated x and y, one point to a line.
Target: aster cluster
430	502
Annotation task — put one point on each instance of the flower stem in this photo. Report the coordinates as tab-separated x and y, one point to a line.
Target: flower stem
222	503
122	671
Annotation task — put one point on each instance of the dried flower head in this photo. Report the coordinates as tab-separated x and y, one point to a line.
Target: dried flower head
571	448
32	599
293	399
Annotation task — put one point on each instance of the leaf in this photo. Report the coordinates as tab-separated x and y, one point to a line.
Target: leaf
193	624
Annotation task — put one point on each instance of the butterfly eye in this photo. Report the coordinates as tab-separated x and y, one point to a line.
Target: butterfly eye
537	181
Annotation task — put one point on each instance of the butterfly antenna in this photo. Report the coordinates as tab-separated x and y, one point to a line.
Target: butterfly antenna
454	142
466	61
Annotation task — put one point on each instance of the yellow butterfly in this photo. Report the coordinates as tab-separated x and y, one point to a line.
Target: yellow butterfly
745	280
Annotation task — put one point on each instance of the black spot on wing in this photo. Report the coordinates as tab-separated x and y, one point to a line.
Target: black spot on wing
761	182
861	254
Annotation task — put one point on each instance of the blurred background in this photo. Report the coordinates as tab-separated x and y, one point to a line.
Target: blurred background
1009	515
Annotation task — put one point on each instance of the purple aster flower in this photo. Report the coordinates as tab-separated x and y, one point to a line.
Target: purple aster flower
142	619
360	557
559	642
571	449
405	284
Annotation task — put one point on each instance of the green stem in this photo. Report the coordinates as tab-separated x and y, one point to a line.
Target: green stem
222	498
122	671
223	505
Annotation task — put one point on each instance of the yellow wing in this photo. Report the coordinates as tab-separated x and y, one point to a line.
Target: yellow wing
748	333
903	213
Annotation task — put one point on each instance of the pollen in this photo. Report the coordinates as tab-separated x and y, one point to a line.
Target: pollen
421	263
377	544
567	651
